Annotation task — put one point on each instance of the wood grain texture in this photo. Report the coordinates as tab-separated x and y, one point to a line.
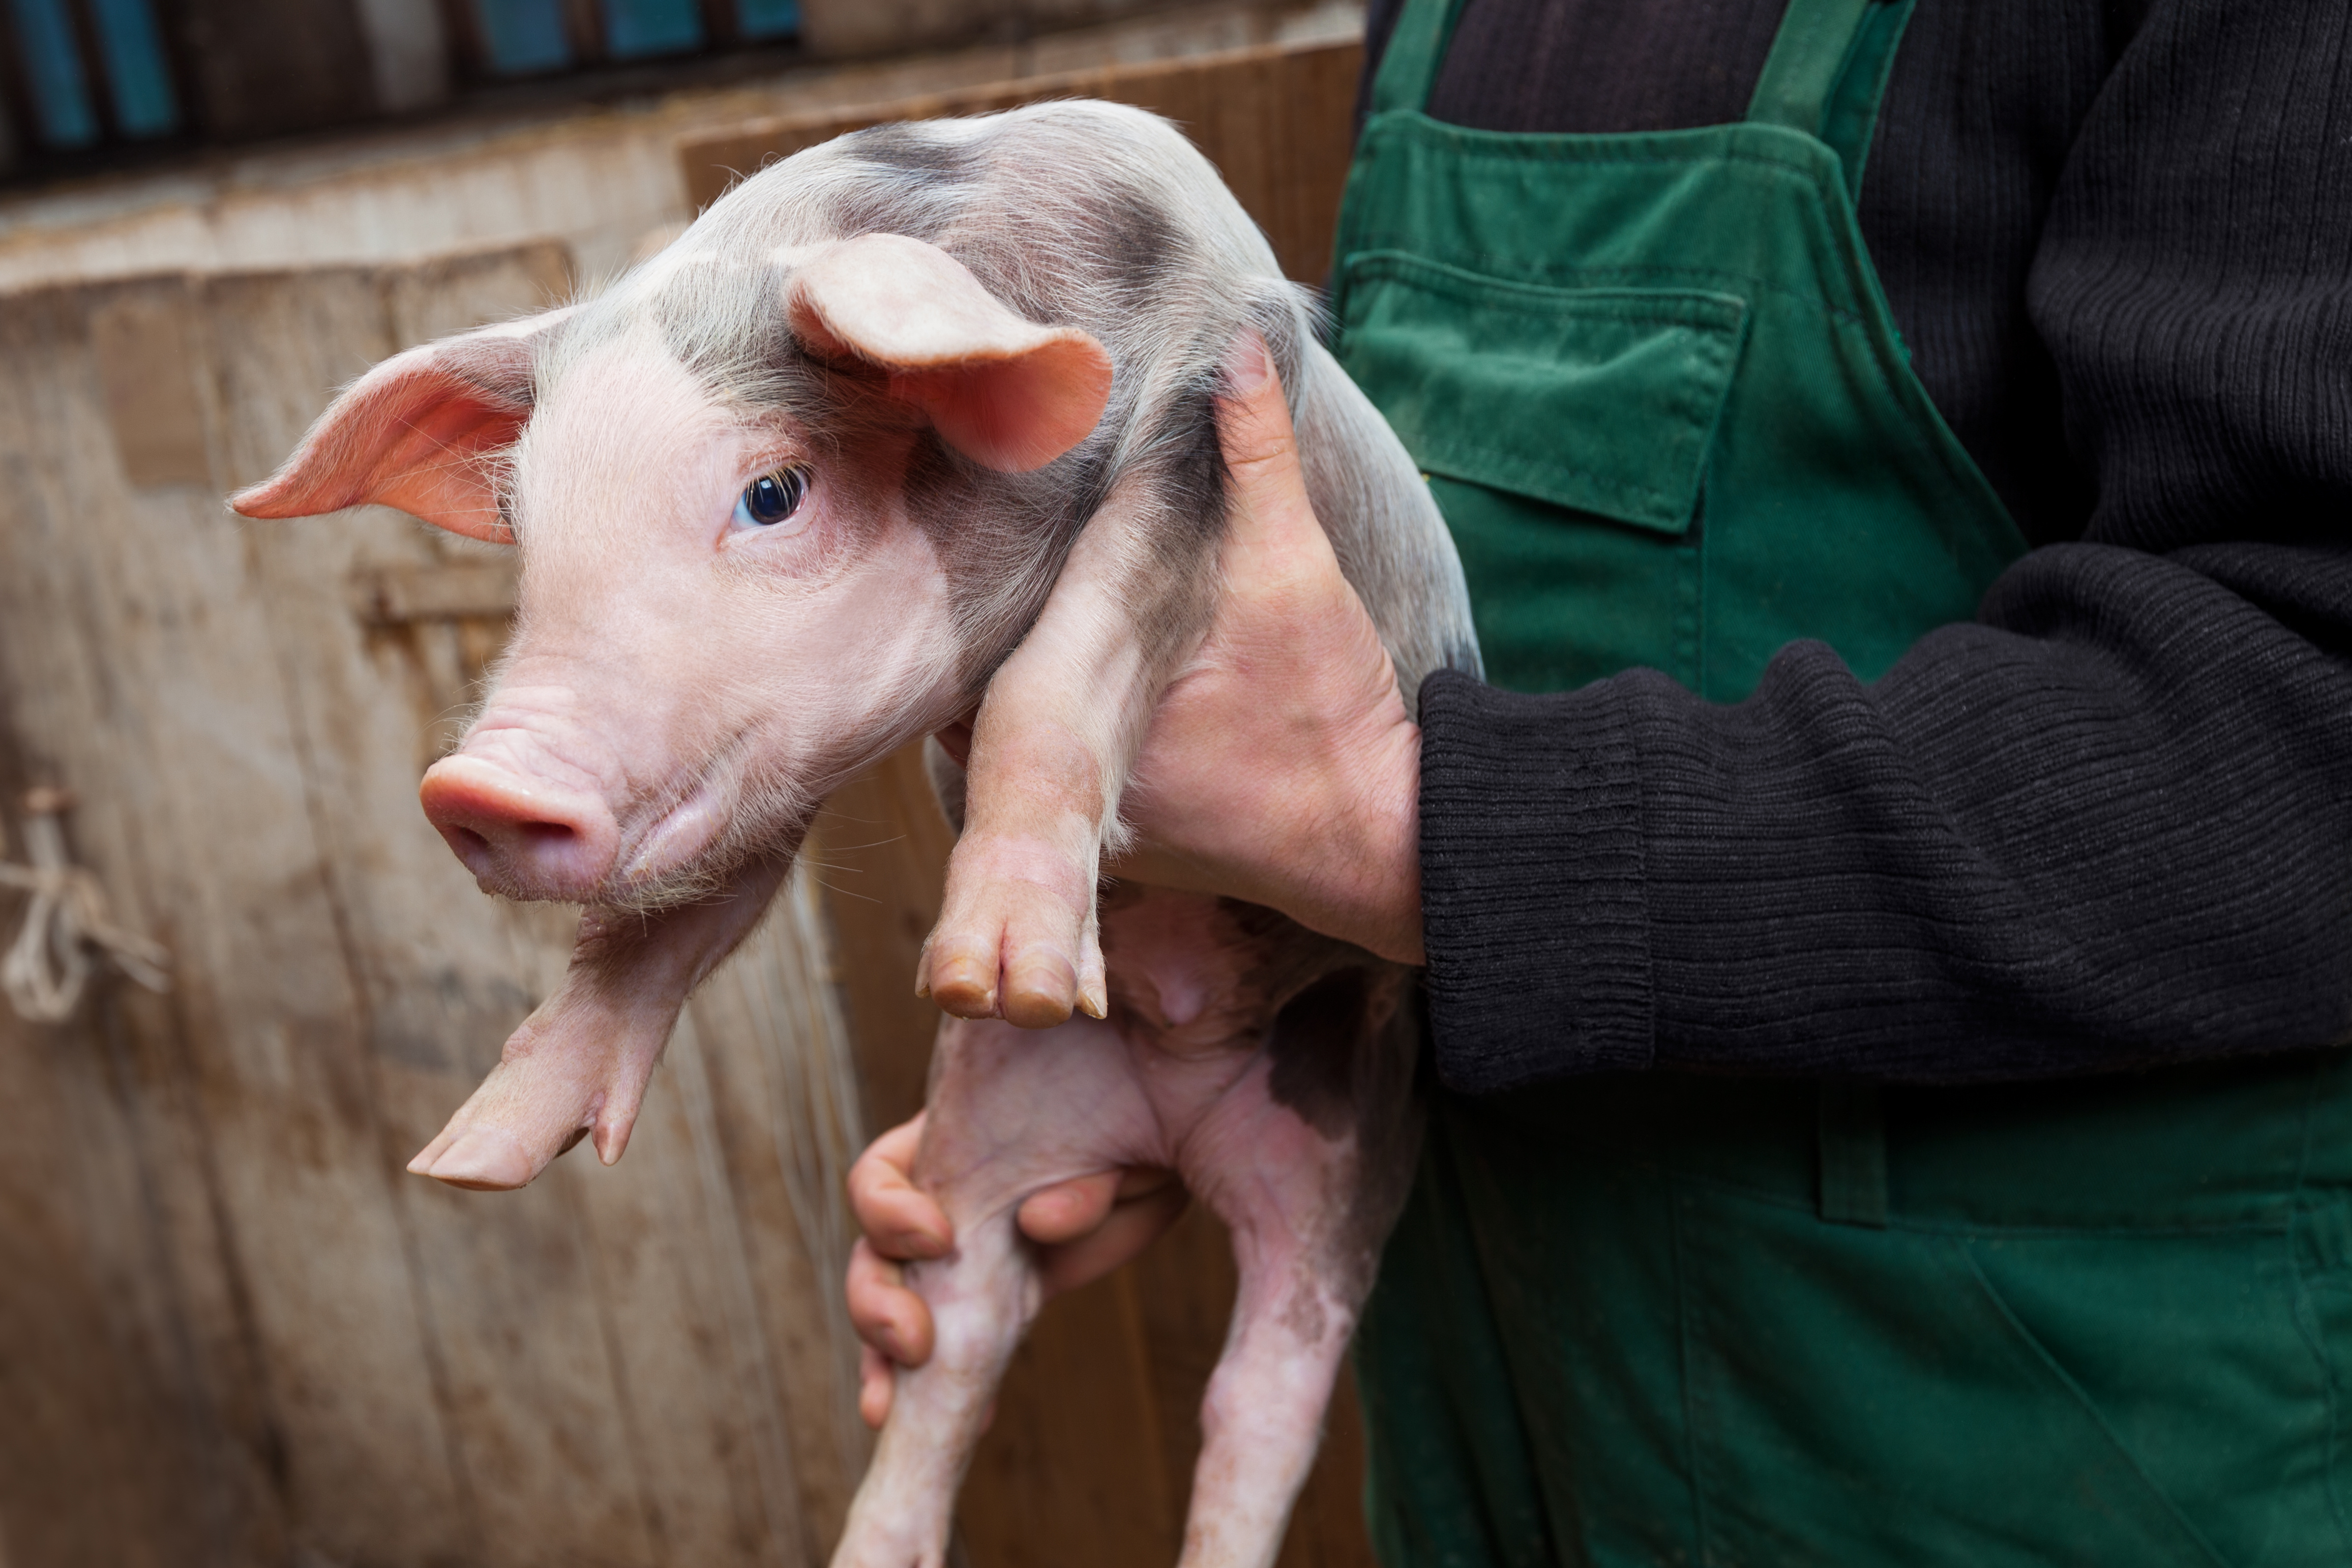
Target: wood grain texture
242	1331
1278	120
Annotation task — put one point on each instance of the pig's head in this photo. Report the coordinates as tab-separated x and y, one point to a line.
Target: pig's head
774	519
738	581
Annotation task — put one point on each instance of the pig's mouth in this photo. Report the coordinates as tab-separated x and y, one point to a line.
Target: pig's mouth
693	852
538	839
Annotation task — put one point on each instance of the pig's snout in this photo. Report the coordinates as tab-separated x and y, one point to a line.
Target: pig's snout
523	836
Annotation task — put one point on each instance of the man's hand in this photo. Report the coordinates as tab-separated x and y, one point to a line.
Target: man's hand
1280	768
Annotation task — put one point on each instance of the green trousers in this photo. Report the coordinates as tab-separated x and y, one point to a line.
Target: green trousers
1659	1320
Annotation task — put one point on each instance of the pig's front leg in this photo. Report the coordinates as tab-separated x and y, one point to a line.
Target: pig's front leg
579	1065
1019	933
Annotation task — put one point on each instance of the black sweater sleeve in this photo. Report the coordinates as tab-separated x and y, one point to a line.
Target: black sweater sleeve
2110	823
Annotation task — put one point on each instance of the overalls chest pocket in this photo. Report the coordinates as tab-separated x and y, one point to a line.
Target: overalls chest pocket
1567	433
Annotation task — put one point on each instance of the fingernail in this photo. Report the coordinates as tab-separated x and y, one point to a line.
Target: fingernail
1248	368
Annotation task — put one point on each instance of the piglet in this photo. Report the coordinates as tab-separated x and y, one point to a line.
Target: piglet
913	430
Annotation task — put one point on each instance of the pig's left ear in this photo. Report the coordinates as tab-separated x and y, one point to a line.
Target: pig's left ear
1004	392
416	432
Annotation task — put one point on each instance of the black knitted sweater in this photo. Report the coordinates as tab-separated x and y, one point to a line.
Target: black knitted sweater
2107	824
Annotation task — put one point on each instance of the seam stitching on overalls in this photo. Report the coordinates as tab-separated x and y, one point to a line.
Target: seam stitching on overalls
2272	1226
2090	1408
1695	1403
1752	282
1614	486
2305	1315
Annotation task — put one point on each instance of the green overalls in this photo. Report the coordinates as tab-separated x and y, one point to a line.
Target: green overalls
1646	1318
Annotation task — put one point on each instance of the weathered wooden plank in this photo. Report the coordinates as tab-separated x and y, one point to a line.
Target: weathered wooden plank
140	670
503	1291
117	1447
783	1097
879	850
1276	120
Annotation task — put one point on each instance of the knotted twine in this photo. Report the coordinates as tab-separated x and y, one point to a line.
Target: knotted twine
49	962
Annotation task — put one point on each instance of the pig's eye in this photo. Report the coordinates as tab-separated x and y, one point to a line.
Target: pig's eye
772	497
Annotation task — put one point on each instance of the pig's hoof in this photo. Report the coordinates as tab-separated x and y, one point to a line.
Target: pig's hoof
1036	988
1016	939
1040	991
486	1159
963	987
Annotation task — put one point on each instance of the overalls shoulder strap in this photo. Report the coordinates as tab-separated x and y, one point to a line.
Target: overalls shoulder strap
1416	46
1827	72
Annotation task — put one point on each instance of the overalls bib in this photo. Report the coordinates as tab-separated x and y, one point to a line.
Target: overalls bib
1641	1319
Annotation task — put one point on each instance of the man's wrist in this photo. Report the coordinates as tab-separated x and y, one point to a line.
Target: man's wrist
1366	849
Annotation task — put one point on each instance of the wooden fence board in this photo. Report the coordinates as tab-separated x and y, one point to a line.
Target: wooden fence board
1276	120
142	672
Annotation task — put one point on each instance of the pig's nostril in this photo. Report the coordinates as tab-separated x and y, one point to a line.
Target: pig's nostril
523	835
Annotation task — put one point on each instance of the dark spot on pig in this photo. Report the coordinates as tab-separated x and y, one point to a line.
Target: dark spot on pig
1314	1044
1191	477
1138	247
908	148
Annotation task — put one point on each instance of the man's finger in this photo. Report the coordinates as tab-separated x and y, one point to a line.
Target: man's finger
1066	1212
898	1218
886	1315
1274	548
877	1380
1132	1227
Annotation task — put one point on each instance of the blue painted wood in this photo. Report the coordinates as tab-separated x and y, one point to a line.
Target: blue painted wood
767	19
637	29
132	47
63	109
524	37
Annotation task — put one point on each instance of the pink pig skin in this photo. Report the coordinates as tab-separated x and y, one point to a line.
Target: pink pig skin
975	365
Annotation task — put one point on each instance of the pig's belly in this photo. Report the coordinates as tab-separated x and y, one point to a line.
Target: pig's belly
1178	1076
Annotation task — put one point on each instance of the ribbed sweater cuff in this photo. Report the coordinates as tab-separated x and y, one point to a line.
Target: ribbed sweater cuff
1531	878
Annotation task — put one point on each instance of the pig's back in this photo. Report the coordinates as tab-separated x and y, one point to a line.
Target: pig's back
1105	217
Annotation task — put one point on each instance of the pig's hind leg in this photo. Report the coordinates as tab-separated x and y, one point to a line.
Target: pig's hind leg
1018	935
1307	1162
1008	1114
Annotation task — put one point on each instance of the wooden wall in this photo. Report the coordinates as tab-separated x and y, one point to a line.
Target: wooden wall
232	1332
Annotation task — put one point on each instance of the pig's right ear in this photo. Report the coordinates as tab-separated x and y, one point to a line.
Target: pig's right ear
418	432
1006	392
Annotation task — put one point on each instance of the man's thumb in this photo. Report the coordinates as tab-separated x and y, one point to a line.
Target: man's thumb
1253	429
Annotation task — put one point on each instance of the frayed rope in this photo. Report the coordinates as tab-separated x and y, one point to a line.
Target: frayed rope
49	962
